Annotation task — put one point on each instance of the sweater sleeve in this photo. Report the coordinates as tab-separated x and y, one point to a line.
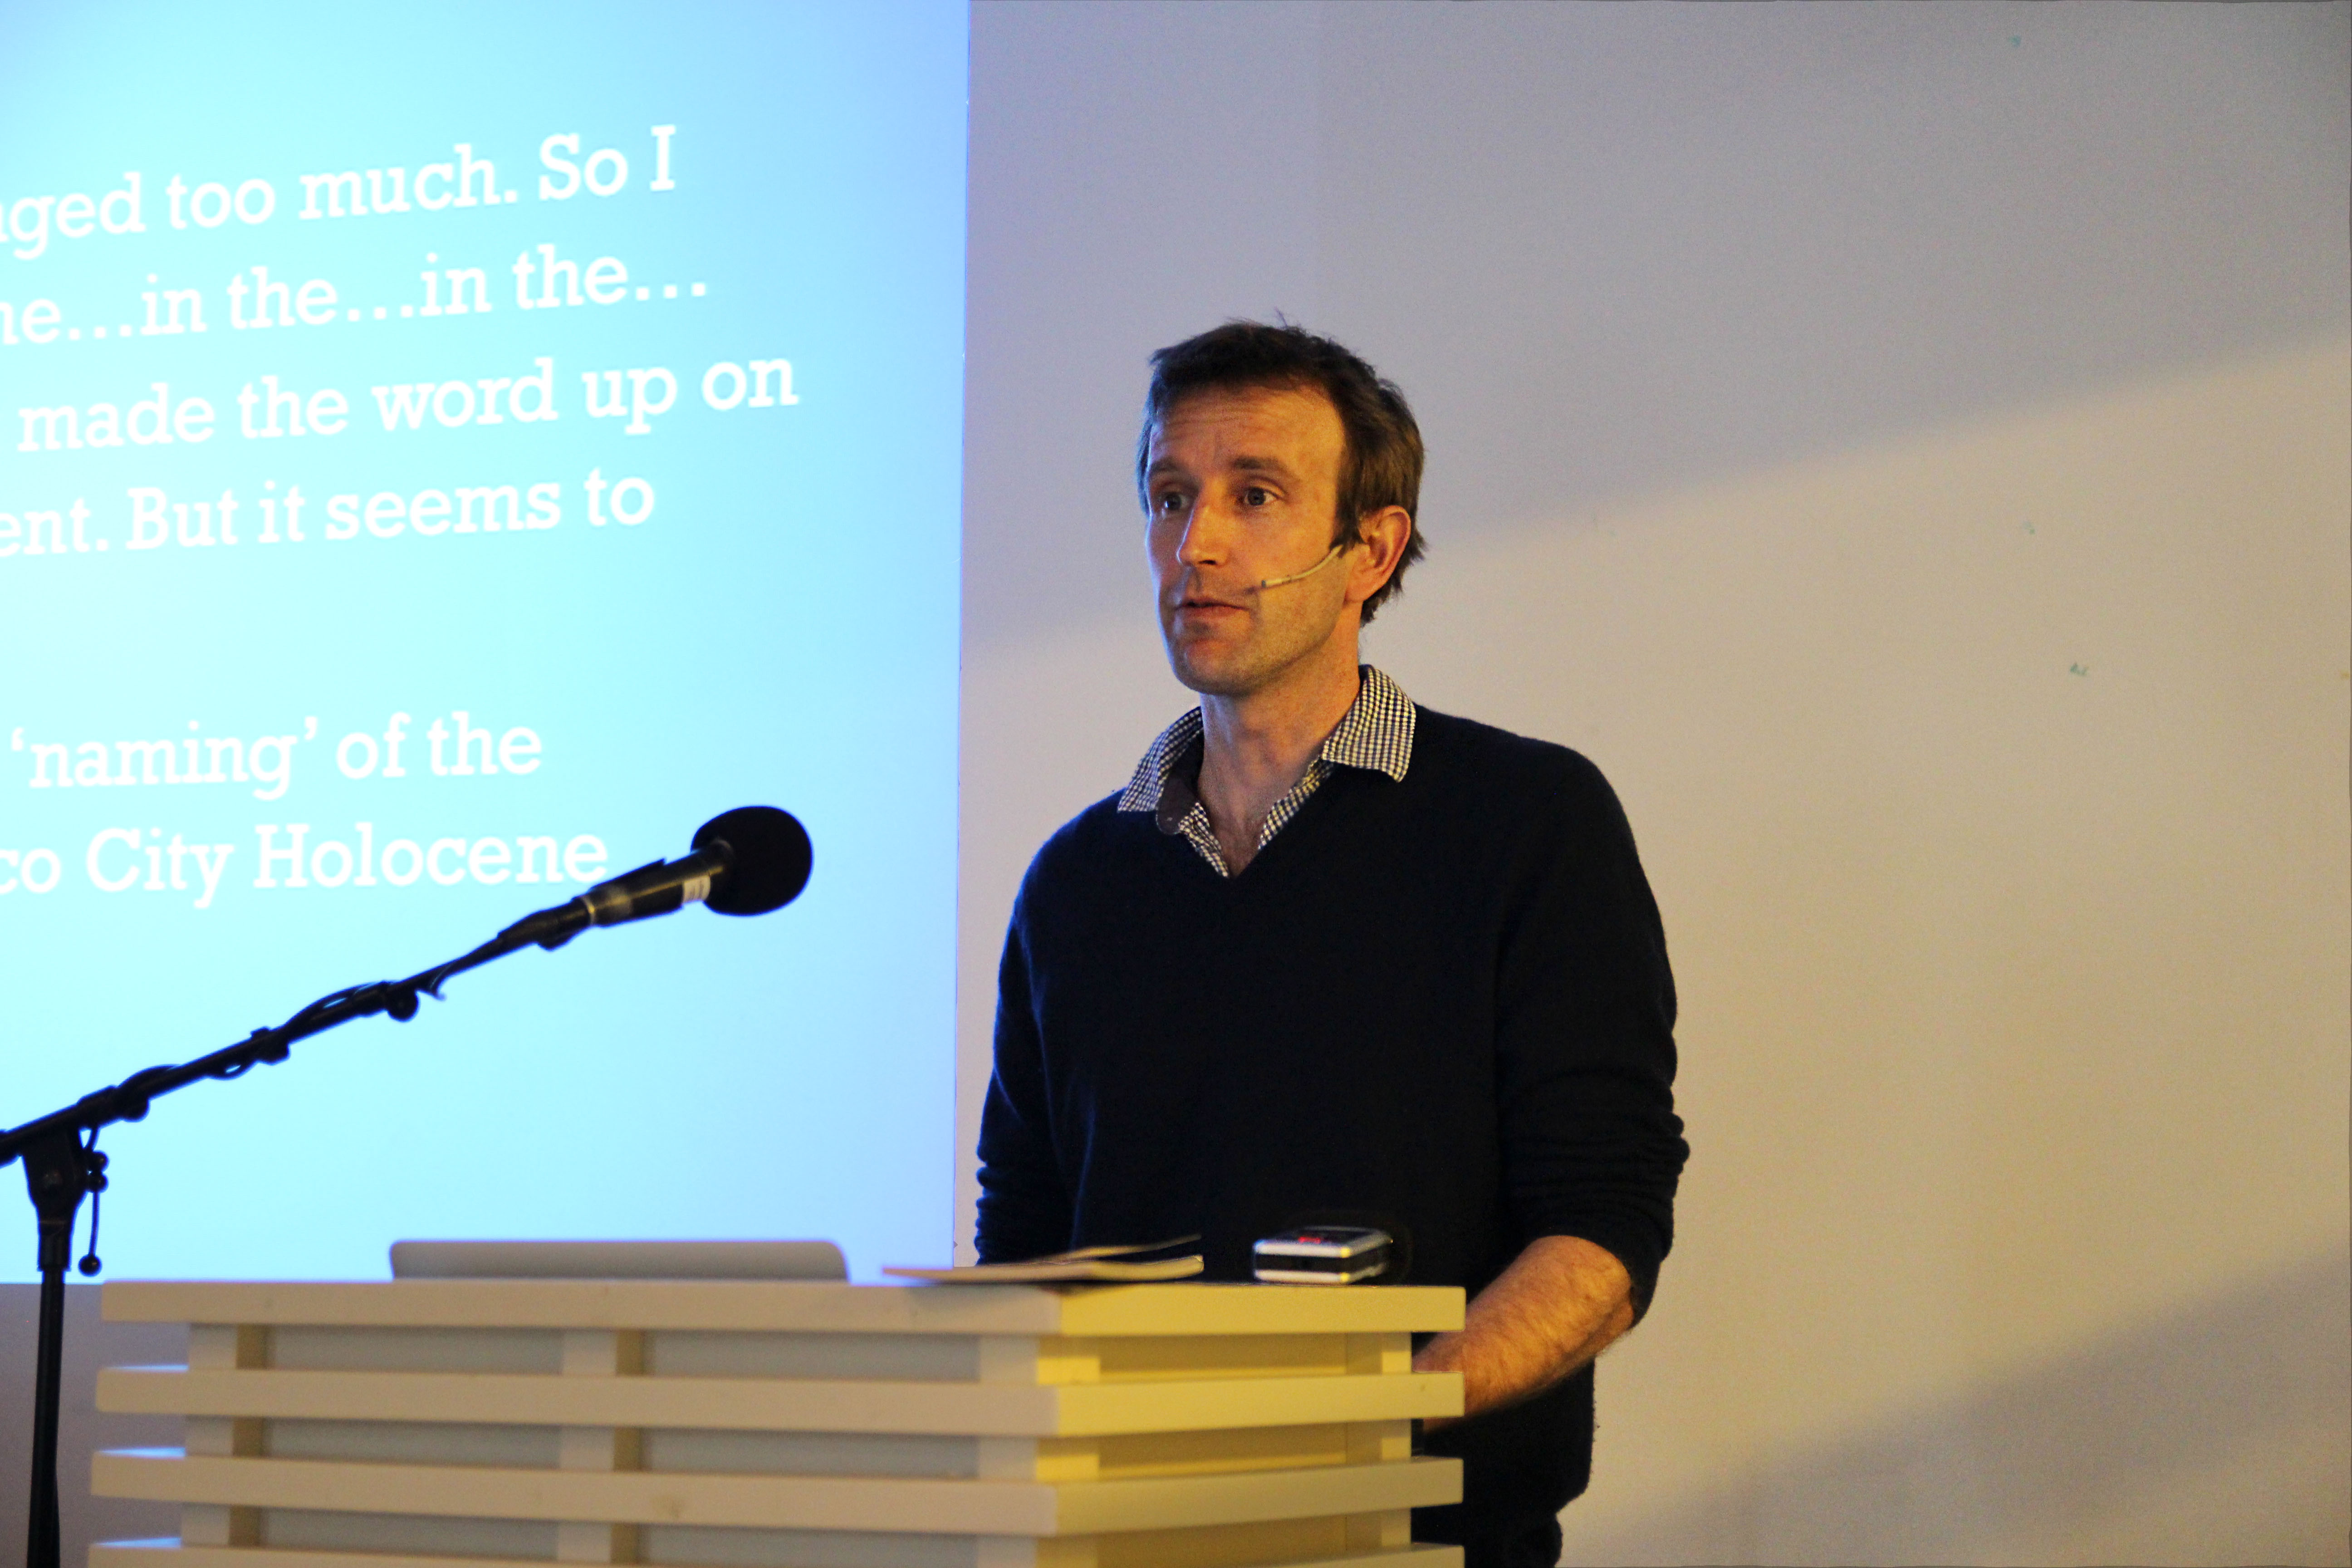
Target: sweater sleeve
1585	1049
1025	1206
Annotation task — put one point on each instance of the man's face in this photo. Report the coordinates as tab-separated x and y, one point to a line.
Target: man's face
1242	486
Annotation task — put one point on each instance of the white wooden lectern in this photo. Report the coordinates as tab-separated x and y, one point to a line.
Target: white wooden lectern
466	1423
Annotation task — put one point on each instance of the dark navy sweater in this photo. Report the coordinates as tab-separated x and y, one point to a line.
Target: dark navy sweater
1439	1004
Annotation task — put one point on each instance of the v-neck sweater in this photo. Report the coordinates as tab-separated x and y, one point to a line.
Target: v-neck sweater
1439	1004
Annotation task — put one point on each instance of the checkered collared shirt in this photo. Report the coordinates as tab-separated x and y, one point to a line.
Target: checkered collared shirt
1377	734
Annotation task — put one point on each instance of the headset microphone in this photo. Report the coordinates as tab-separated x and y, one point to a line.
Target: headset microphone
1277	581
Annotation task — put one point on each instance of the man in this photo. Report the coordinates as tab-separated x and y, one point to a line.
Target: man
1332	957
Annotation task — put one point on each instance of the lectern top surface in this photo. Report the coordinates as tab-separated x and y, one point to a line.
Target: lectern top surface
807	1308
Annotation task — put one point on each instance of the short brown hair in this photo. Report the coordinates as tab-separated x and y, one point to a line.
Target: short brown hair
1381	464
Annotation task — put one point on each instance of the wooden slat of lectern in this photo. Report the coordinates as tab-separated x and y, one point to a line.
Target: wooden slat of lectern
466	1423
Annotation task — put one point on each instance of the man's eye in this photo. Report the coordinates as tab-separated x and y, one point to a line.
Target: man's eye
1257	495
1168	501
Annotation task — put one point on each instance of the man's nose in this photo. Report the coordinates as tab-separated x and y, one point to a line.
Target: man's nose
1208	533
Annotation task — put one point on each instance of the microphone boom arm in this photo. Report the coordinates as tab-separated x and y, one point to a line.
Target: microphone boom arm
61	1169
744	862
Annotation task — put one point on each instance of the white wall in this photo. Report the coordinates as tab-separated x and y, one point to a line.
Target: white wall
1907	448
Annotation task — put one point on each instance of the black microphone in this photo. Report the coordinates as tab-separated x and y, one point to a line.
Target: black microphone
745	862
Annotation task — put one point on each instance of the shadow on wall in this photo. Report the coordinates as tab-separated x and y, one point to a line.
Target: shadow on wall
2214	1436
89	1344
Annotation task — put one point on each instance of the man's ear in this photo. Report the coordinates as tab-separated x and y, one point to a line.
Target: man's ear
1380	540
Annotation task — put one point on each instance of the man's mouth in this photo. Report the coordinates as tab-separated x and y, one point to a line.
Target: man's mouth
1206	617
1200	599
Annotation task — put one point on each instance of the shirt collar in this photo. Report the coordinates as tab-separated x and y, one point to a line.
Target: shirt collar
1376	735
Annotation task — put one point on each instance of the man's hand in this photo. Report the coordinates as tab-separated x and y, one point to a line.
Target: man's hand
1559	1305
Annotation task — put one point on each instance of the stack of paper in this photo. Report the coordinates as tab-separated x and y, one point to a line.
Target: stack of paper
1106	1265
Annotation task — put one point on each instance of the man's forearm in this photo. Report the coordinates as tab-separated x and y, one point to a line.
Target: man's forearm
1559	1305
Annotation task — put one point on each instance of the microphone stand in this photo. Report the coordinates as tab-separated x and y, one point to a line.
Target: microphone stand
61	1167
